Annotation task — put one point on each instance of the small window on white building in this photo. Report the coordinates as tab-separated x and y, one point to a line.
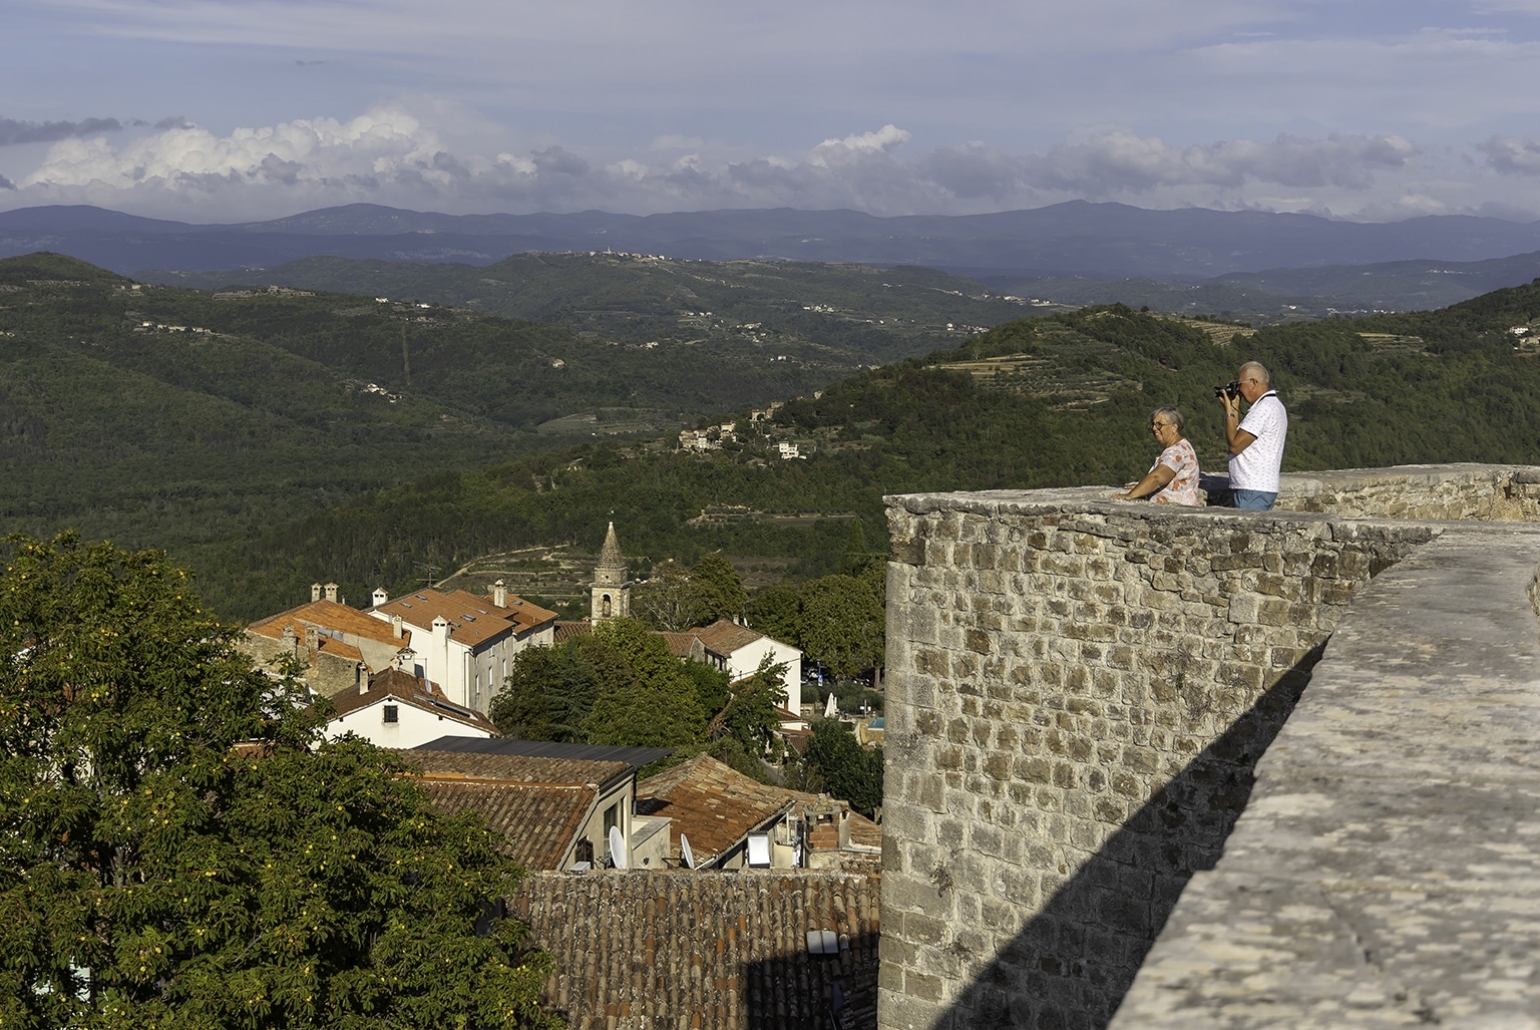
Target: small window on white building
392	713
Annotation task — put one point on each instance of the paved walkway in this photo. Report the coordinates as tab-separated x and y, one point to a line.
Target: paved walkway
1386	872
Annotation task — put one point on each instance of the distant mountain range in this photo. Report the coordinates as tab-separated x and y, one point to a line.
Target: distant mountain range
1077	239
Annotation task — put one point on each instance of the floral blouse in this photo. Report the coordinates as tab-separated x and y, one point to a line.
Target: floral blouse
1183	489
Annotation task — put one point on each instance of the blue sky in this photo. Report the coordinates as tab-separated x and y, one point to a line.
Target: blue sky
221	110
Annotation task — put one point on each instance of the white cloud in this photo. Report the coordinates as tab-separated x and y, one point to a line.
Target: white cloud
1513	155
1122	162
390	155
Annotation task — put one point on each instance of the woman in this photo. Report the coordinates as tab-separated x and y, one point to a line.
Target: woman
1173	479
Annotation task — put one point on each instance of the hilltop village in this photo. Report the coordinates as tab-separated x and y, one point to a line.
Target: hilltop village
434	671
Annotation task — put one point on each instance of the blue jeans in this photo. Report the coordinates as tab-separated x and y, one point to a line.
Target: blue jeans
1256	500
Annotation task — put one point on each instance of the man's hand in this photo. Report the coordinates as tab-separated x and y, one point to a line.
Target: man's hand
1235	437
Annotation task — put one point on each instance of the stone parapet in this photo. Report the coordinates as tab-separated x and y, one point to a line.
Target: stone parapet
1387	869
1079	692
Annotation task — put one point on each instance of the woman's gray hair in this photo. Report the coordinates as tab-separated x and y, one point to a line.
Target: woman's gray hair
1173	415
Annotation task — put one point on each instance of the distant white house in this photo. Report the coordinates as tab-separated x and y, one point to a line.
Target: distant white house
396	709
738	650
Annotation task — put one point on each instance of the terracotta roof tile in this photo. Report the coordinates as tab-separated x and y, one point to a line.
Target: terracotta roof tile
714	805
526	615
709	950
680	644
711	803
517	768
565	631
409	690
472	620
537	820
723	637
328	615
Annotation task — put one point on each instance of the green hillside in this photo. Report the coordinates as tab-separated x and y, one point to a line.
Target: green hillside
837	316
1060	400
165	416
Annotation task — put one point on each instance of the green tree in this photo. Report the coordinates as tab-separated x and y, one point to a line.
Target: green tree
550	691
776	611
716	589
152	873
743	731
843	621
661	708
837	762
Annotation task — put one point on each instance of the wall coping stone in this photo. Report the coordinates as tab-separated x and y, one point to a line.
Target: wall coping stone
1387	869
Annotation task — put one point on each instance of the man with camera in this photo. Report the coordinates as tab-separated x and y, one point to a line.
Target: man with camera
1256	443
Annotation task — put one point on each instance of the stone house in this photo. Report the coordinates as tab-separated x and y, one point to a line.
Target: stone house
337	647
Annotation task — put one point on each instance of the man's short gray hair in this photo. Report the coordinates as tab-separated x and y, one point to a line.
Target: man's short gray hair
1173	415
1260	371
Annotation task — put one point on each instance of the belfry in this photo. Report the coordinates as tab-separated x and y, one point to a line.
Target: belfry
611	591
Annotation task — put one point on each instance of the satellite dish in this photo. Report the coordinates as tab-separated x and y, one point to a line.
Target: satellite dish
617	848
685	853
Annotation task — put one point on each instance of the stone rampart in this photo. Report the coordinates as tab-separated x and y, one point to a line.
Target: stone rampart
1079	692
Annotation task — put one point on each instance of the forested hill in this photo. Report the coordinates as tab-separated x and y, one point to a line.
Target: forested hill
1059	400
836	313
164	416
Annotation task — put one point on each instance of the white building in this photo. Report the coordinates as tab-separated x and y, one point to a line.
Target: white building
396	709
738	650
464	642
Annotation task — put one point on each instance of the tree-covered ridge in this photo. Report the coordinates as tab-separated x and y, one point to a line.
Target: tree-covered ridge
166	416
936	423
838	313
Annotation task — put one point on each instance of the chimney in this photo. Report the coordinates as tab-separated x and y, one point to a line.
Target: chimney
315	591
499	594
312	641
395	626
331	592
441	628
380	596
290	640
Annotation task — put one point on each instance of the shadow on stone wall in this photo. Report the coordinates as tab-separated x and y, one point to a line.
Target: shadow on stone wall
799	992
1071	965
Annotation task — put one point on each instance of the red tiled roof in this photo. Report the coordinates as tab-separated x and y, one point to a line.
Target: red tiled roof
472	620
517	768
328	615
331	645
525	615
537	820
680	644
565	631
699	949
715	806
723	637
711	803
409	690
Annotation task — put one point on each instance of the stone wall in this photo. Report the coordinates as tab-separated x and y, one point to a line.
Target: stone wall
1490	493
1078	691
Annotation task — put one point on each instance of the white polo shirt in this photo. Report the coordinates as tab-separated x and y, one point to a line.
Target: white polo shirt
1256	468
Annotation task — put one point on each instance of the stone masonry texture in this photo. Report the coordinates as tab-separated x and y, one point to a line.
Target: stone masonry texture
1079	693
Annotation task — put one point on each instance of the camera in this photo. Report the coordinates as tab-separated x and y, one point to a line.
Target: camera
1230	390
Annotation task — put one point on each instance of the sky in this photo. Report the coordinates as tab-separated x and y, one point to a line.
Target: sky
236	110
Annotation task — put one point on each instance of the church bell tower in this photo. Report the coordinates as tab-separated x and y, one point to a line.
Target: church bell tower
611	592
